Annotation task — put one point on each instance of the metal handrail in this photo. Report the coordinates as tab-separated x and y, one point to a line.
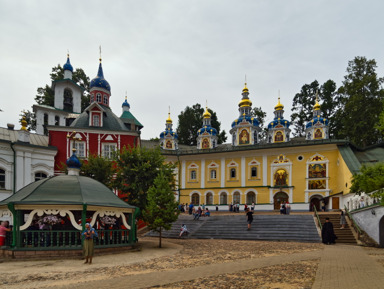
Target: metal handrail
318	218
353	221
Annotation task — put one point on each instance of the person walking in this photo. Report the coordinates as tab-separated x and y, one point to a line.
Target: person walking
183	230
327	233
249	215
3	231
88	247
343	222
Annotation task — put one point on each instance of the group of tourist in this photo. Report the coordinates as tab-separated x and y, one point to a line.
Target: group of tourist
285	208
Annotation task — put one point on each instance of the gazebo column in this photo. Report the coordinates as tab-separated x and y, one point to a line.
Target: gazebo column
16	225
84	217
132	222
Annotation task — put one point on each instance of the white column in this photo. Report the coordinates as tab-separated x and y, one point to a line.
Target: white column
243	172
265	170
271	196
223	172
202	178
291	195
183	174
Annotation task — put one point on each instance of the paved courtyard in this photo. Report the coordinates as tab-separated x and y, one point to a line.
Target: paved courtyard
208	264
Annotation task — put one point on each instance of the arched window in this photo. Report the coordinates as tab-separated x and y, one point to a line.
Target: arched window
251	198
193	175
209	199
98	97
213	174
2	179
40	176
68	100
223	198
92	97
195	199
45	123
233	173
236	198
105	100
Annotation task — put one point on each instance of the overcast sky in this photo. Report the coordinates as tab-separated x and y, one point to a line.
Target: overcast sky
179	53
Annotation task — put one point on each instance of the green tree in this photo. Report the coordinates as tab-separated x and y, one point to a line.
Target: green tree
361	99
161	210
303	102
191	120
46	95
260	116
136	170
98	168
370	180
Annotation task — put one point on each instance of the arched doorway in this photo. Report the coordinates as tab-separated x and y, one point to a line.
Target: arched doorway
279	198
315	202
195	199
251	198
381	232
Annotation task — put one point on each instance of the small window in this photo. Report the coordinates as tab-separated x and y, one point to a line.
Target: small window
254	172
105	100
108	150
98	97
213	174
2	179
96	120
233	173
193	175
57	120
40	176
80	149
91	97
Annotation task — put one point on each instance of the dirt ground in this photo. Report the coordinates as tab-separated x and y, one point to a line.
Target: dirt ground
175	254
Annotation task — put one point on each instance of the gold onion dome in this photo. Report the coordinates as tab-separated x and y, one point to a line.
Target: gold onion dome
279	106
245	101
206	113
169	120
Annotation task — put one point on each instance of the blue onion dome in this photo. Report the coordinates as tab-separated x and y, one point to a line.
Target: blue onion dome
67	65
279	122
73	162
99	81
209	129
125	103
169	131
246	118
317	120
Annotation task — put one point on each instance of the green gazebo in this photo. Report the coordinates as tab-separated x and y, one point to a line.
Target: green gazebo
51	213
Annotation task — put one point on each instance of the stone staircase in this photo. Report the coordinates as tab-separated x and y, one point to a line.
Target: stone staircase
344	236
264	227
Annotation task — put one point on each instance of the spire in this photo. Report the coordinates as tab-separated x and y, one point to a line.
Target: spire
317	104
245	100
169	120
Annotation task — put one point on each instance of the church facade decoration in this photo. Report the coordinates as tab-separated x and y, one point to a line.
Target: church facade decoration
278	129
169	138
317	128
207	135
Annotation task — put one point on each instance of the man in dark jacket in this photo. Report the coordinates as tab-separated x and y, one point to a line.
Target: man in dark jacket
327	233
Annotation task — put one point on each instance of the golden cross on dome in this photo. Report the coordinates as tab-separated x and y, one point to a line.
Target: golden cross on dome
68	53
125	95
100	53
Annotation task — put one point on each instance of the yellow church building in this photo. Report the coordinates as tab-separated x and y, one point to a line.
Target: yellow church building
303	171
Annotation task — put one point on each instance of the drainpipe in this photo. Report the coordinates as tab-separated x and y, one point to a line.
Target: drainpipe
14	168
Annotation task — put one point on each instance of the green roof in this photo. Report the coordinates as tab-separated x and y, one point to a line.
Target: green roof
66	190
128	117
110	121
350	158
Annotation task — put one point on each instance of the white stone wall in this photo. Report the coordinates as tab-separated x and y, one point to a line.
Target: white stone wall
368	220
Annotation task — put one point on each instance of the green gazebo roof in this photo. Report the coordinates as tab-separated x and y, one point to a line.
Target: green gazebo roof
66	190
